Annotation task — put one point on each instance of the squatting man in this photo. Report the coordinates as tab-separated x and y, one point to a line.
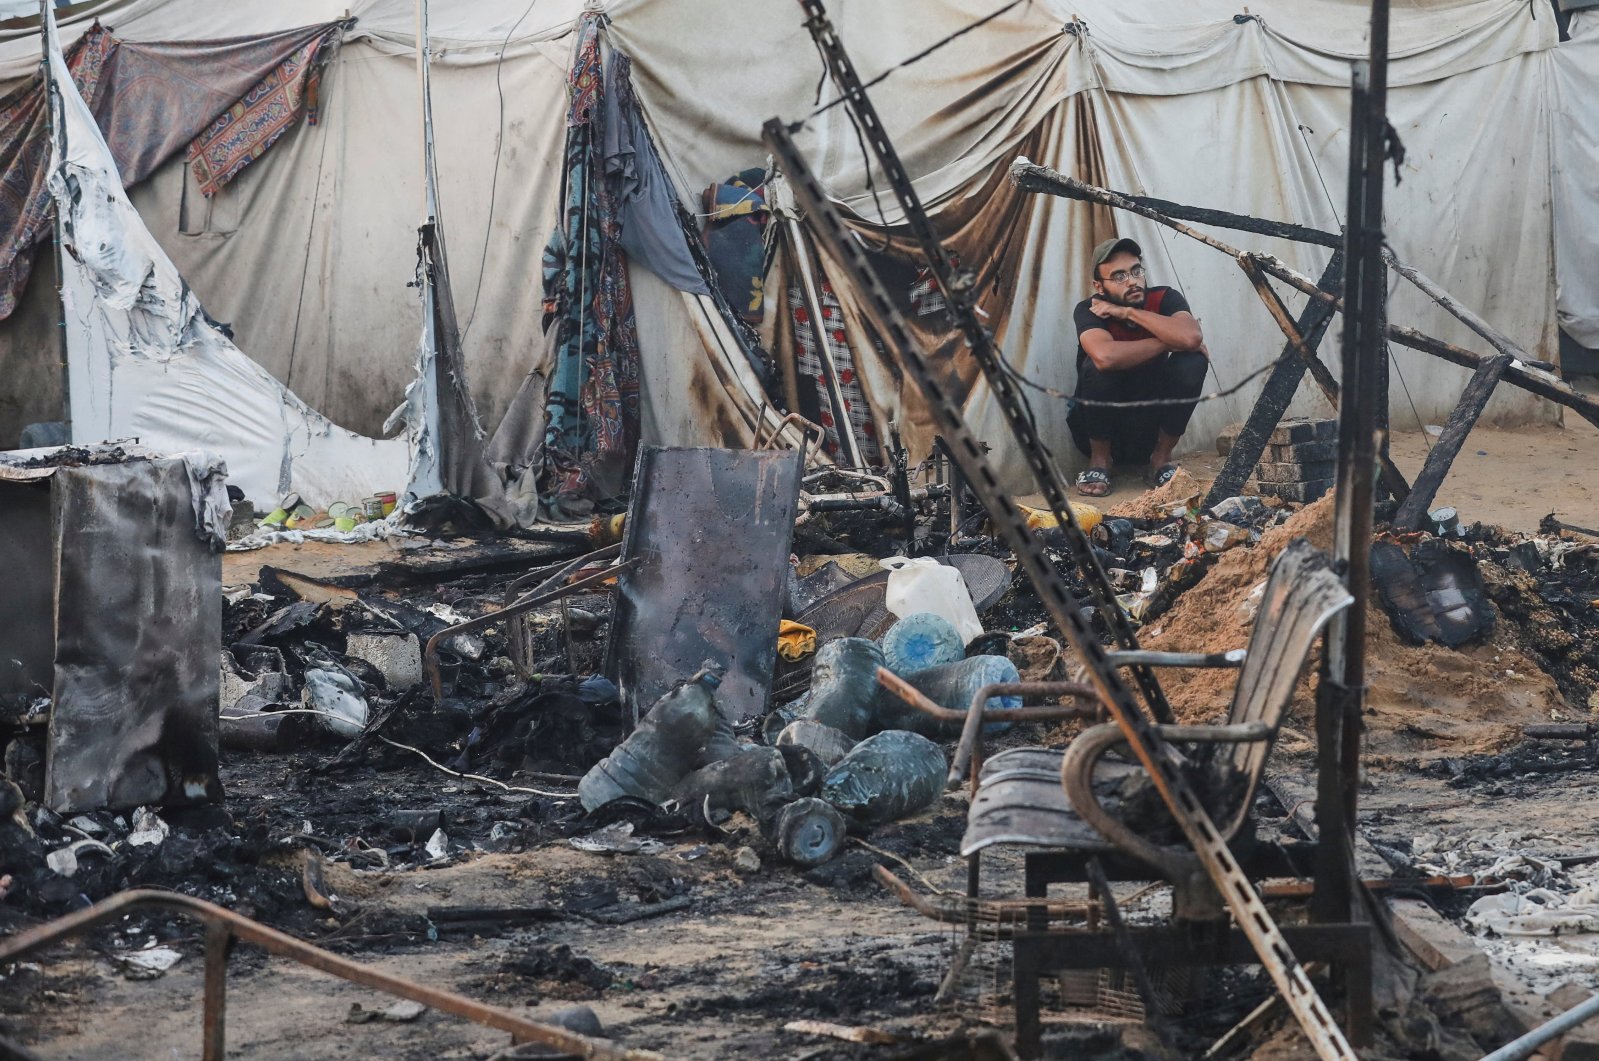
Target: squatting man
1135	343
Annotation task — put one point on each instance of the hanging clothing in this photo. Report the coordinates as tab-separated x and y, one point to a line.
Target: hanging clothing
735	241
593	404
647	207
810	369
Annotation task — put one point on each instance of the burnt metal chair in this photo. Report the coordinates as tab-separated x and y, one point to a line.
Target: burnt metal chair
1073	808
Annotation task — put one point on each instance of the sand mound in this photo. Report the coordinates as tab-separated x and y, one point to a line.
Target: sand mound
1423	701
1151	504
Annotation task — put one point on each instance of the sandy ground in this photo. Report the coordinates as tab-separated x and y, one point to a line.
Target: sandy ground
1509	476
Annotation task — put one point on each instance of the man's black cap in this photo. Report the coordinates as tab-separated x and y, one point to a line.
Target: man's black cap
1115	245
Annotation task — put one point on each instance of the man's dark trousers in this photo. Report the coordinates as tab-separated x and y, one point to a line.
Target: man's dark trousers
1132	431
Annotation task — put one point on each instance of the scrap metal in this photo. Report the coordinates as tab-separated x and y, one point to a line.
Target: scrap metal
548	592
112	607
1147	747
708	541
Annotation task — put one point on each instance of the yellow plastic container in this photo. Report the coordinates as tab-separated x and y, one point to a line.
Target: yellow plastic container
1088	517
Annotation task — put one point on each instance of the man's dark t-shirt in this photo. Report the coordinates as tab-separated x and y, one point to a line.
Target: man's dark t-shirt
1163	300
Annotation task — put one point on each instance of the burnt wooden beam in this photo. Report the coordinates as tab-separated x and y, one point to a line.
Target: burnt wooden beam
1279	313
1522	373
1414	508
1495	338
1278	391
1238	222
1519	373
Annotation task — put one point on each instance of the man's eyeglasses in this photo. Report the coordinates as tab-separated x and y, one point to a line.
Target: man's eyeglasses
1121	276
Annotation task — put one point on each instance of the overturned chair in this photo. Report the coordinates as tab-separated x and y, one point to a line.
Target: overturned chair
1078	816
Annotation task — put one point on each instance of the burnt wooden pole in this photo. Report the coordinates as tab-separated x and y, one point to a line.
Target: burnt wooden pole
1341	694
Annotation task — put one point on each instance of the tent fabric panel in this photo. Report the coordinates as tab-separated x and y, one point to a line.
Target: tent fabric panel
1575	132
145	361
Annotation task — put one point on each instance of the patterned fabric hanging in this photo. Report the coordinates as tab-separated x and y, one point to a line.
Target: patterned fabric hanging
810	368
243	132
593	403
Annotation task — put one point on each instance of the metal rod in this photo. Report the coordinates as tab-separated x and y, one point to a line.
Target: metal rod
285	946
543	576
215	1034
430	654
424	74
1517	1049
806	429
1561	731
978	712
1233	657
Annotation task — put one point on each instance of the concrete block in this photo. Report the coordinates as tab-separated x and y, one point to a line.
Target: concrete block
1301	452
1465	997
1580	1043
1268	472
1304	493
1226	437
1302	430
1435	940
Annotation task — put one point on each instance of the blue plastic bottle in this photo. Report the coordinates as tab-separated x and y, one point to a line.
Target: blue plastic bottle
919	641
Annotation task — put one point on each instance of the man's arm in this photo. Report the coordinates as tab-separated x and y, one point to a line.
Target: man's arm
1114	355
1179	331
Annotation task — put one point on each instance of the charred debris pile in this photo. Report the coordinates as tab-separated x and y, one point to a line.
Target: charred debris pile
341	742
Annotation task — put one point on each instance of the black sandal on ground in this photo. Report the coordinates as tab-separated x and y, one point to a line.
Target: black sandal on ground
1093	482
1159	477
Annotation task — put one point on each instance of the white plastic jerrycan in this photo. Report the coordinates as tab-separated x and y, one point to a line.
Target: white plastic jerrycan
925	585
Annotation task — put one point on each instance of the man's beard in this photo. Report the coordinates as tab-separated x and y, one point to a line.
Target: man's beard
1134	298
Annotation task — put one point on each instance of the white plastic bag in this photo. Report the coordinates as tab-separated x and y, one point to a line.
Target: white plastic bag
925	585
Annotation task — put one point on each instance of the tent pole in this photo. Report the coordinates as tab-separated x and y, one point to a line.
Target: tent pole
424	63
429	249
55	133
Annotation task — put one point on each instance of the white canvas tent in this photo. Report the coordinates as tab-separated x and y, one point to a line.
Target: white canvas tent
309	252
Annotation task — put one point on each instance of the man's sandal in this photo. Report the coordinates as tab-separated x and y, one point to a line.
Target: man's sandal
1159	477
1093	482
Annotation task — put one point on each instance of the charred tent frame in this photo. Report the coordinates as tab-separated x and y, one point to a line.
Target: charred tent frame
1257	930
